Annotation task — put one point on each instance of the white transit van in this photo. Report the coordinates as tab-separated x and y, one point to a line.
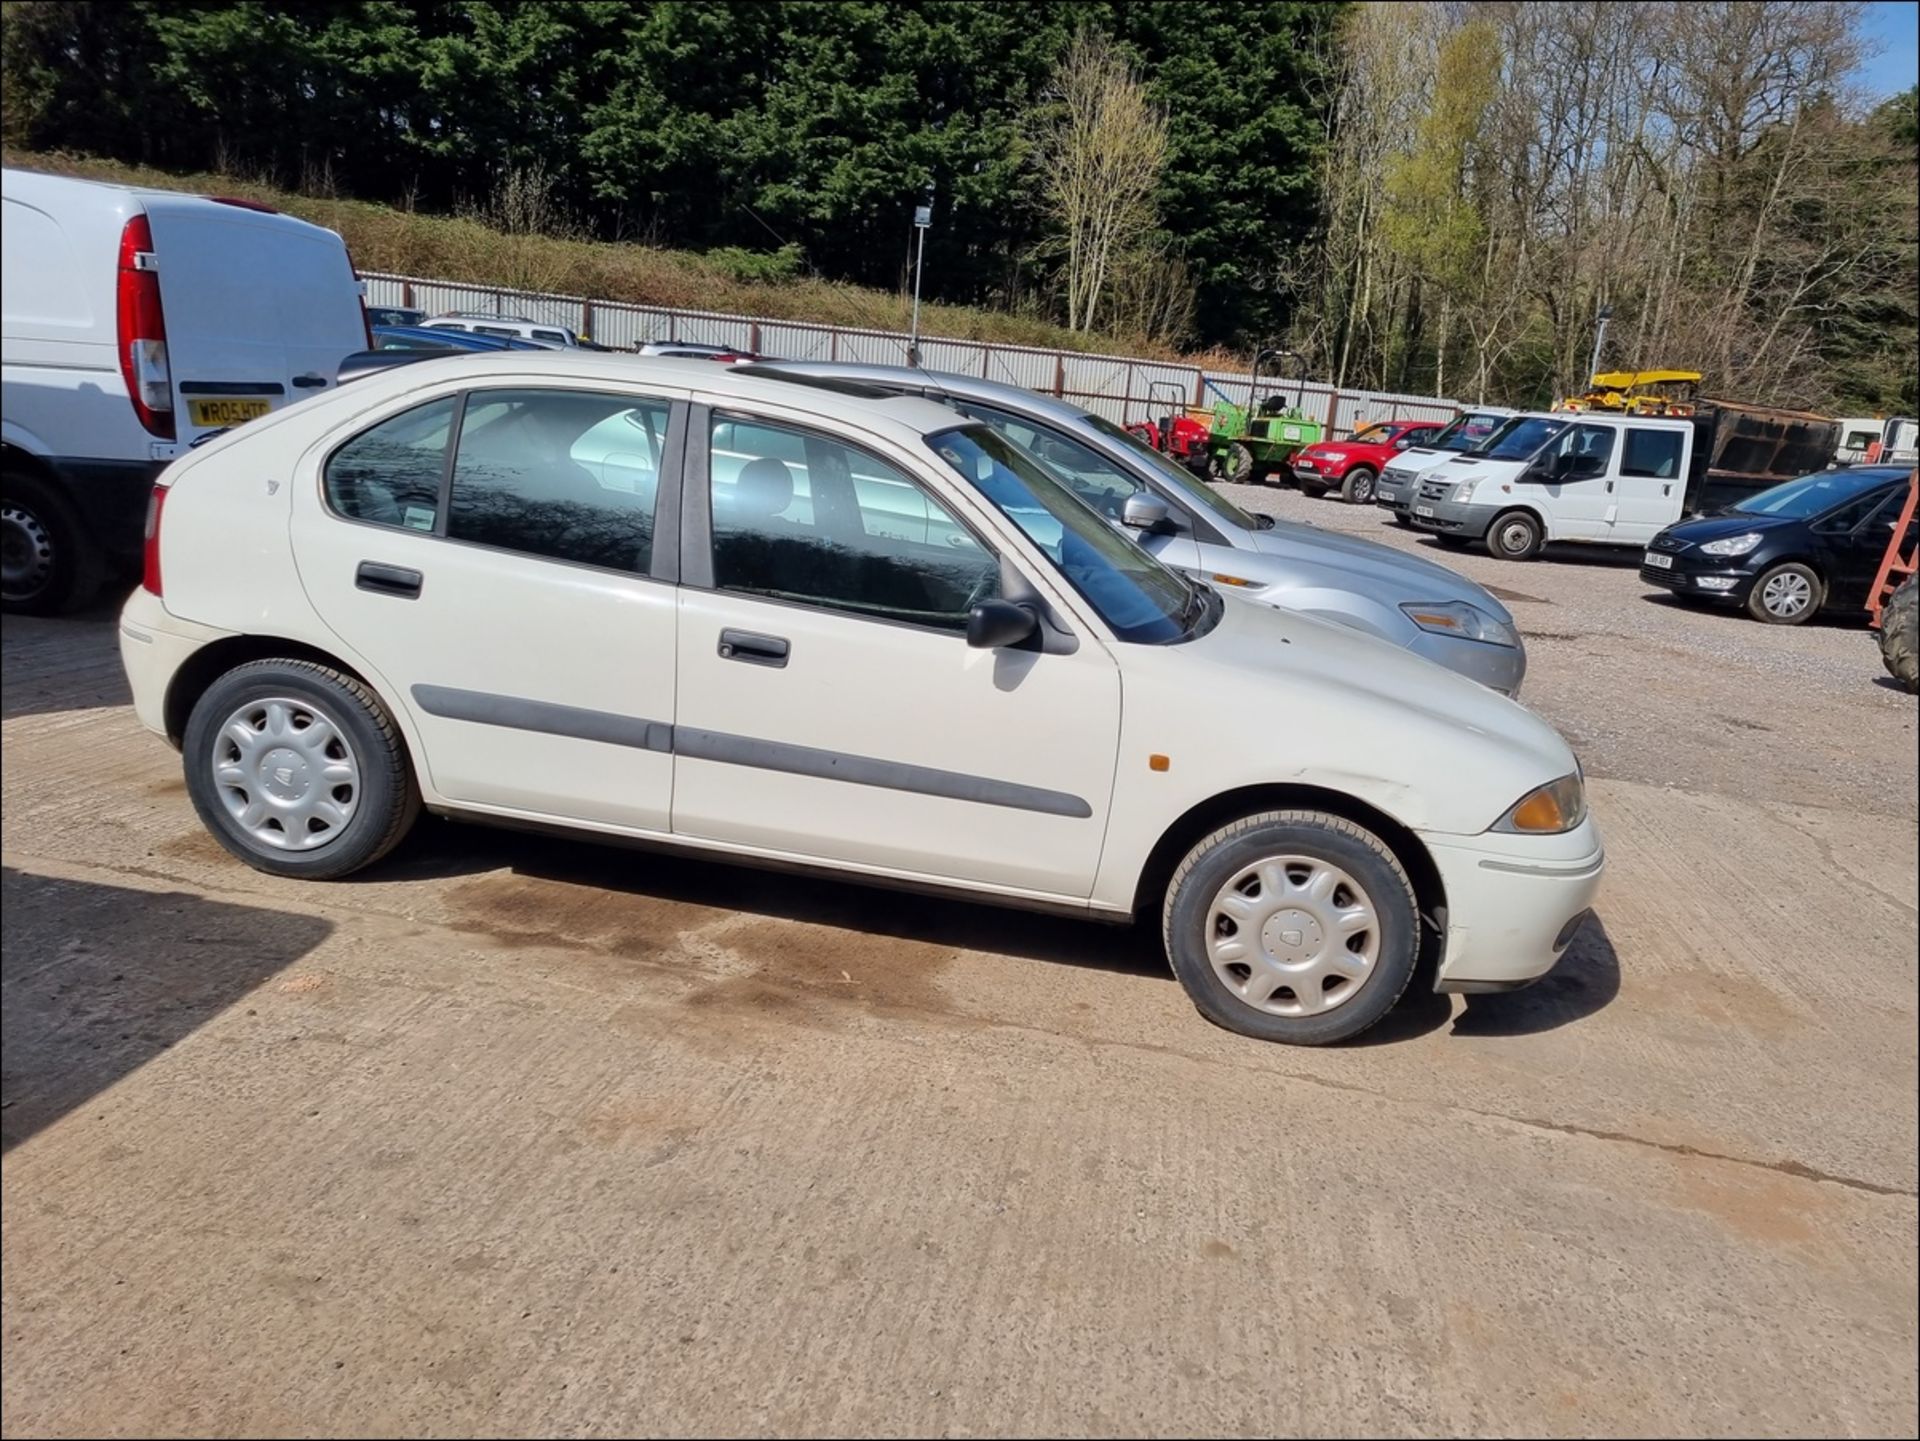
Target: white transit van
1401	476
1611	480
136	322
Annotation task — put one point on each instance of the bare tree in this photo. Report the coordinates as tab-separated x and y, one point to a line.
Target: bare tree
1101	146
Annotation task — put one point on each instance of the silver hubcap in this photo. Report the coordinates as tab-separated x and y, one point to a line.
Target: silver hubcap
26	552
1515	537
1293	936
286	774
1787	594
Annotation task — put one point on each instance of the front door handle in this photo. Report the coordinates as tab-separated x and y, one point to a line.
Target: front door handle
308	382
754	649
394	580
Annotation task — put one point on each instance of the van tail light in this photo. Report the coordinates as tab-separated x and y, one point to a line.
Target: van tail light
150	548
143	331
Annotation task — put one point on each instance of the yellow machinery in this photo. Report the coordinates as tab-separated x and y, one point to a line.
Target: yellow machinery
1638	392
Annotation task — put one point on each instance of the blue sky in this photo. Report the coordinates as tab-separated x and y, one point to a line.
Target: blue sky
1895	28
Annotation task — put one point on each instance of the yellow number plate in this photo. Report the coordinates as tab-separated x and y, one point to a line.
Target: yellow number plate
227	410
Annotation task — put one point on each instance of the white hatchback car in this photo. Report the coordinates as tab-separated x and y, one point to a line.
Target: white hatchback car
668	602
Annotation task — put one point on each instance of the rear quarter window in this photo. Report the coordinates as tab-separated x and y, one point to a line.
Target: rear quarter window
390	474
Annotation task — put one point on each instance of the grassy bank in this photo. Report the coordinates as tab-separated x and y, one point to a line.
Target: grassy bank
444	247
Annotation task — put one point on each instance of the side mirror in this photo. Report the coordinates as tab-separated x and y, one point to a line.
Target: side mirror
1146	511
1402	443
996	623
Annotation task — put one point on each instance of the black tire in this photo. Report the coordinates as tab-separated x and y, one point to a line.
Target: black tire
1212	864
1357	487
1792	580
1900	636
385	800
1237	464
49	558
1516	535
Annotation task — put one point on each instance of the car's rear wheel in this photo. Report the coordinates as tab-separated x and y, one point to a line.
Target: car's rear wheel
45	559
1786	594
1292	926
298	769
1357	488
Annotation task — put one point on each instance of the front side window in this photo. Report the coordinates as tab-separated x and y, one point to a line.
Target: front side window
1580	454
798	516
1089	475
390	475
1137	596
567	475
1654	453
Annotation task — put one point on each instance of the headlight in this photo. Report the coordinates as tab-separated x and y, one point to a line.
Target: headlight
1555	807
1732	545
1463	490
1457	617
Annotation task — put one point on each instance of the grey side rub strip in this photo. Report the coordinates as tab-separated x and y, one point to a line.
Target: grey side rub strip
544	717
593	725
864	771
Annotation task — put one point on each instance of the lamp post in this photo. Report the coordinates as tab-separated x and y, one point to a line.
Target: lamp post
1599	339
922	222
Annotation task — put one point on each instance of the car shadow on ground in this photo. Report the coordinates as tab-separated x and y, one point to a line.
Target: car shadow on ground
98	980
63	663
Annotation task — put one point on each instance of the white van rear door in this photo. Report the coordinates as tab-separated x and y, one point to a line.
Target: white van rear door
260	309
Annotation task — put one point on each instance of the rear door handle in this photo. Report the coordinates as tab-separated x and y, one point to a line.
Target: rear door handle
394	580
754	649
308	382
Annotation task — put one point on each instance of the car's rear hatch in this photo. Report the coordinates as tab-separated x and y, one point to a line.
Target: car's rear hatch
260	308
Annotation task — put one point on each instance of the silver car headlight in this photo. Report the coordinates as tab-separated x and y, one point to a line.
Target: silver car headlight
1462	491
1458	618
1548	810
1732	545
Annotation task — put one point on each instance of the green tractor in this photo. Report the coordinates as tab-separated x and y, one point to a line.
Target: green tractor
1243	446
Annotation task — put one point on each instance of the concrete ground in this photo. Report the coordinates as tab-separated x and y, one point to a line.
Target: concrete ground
521	1136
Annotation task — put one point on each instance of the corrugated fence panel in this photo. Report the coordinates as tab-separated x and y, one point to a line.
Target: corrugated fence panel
1119	387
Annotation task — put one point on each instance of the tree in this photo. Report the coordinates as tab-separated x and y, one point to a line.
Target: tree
1100	145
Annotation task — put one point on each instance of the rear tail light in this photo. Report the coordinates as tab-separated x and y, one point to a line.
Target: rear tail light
142	331
150	549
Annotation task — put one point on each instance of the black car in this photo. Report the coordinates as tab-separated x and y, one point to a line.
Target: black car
1789	552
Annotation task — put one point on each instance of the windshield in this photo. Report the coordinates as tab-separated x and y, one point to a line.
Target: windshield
1379	433
1464	432
1811	495
1136	595
1174	473
1521	438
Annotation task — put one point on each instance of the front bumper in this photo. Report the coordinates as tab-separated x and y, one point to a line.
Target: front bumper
1707	577
1395	492
1447	517
1514	903
1317	472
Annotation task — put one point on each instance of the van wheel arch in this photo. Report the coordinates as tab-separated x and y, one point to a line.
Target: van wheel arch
1217	811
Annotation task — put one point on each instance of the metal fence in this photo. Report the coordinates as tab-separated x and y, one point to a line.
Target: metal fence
1122	388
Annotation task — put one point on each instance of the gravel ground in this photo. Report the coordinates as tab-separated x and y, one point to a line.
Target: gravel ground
1648	689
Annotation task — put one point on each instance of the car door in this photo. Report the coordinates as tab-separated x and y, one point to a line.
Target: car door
1573	481
830	707
489	556
1650	485
1099	482
1853	541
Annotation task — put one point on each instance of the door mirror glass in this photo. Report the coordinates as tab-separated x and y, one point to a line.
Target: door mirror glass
1148	512
995	623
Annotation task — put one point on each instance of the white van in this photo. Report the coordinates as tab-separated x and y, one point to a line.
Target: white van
136	322
1400	477
1614	480
506	327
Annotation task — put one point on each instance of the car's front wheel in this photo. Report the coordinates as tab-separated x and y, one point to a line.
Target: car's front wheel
1786	595
1292	926
1357	488
298	769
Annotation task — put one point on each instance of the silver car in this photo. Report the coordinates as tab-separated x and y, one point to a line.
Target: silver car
1433	611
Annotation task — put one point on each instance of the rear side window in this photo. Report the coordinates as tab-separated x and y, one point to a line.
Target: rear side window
390	475
1654	453
568	475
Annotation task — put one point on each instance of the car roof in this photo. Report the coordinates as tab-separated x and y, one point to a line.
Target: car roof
969	387
906	417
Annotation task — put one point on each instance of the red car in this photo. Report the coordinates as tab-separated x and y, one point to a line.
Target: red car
1352	466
